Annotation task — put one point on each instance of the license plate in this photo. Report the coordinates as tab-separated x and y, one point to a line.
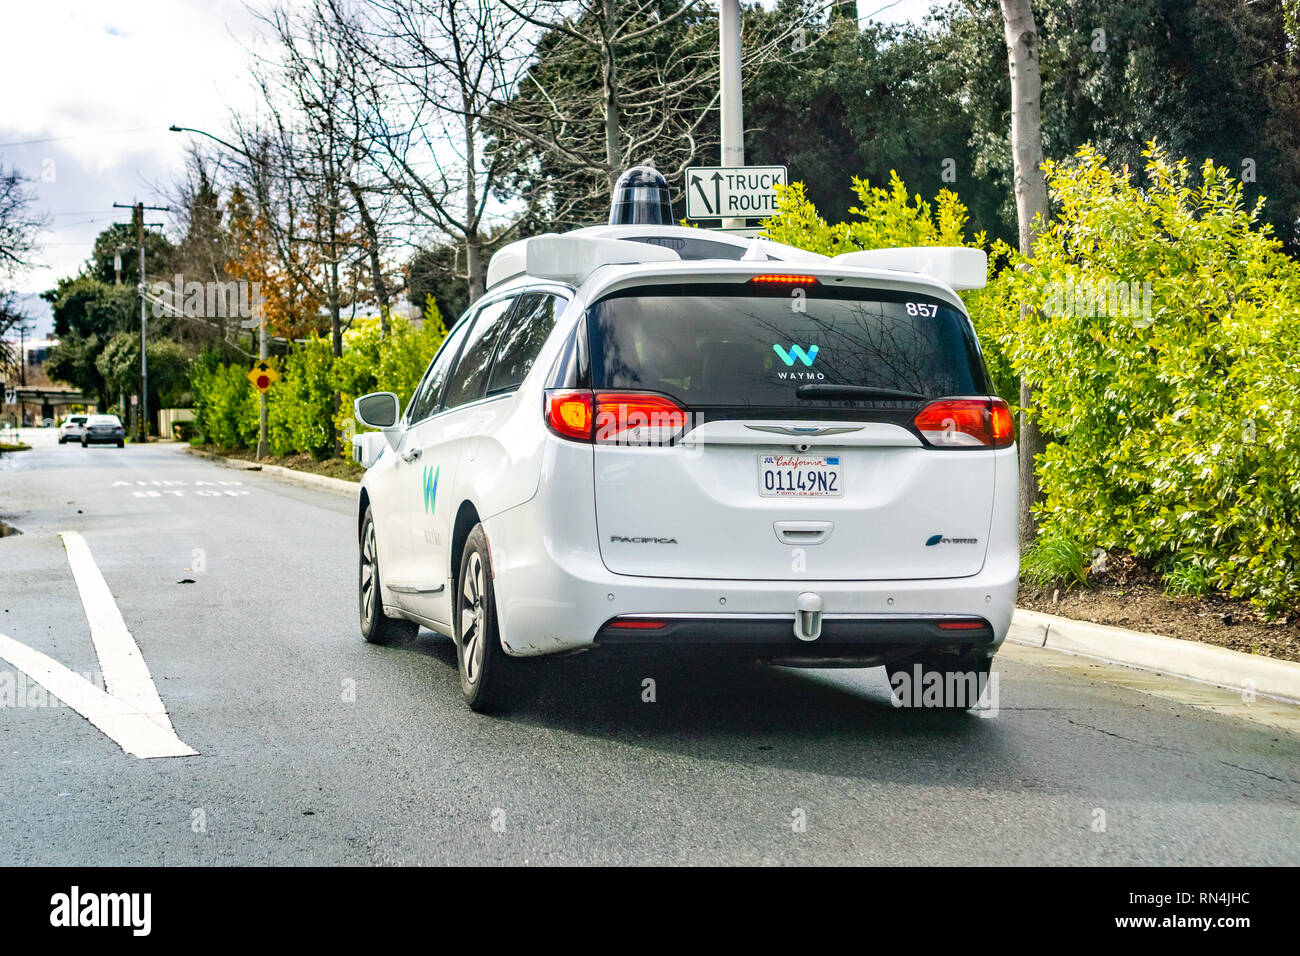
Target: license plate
800	476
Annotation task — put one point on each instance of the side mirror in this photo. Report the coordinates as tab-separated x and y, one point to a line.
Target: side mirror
379	410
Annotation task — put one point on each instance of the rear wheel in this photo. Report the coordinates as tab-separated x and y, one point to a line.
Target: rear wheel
933	681
121	443
487	674
376	627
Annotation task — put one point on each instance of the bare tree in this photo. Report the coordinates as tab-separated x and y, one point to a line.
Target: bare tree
656	100
440	64
1031	211
20	222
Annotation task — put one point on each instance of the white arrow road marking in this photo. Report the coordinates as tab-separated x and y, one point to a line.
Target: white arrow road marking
130	713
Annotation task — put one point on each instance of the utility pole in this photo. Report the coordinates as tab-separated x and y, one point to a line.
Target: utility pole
733	119
142	425
22	353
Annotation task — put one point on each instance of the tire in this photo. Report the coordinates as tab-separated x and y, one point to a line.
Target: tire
488	676
376	627
959	678
84	443
121	444
63	439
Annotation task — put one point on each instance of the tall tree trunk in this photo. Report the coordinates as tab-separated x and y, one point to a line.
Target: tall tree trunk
1031	204
376	267
609	80
473	240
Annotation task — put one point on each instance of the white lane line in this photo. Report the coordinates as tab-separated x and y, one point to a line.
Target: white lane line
137	733
130	713
126	676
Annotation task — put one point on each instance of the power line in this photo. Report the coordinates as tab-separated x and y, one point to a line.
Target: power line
58	139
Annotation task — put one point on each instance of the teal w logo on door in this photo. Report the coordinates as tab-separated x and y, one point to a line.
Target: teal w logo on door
796	351
430	489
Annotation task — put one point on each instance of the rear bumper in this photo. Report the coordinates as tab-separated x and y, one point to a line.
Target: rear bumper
844	639
553	599
102	439
554	594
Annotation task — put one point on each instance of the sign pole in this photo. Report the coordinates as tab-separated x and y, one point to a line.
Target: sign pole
732	118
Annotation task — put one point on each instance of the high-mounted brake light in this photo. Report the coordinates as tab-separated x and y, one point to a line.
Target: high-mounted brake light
620	418
783	280
966	423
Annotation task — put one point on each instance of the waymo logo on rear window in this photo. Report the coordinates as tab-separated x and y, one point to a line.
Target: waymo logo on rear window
796	351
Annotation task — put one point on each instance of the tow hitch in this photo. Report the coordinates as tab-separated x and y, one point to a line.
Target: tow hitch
808	616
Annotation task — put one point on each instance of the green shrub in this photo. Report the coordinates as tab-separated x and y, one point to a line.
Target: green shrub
1176	435
300	407
392	364
1185	578
301	416
1054	558
225	403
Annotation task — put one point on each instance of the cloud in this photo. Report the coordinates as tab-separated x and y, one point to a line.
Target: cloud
104	81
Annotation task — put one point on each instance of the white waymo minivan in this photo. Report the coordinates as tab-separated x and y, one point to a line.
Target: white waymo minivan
661	438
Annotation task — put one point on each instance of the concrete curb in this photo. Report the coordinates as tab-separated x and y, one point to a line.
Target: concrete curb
1206	663
338	486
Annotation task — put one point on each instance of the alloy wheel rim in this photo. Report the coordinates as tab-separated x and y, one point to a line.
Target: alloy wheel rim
368	577
472	613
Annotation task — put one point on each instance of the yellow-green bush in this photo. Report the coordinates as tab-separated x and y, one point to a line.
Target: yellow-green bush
301	416
225	404
1175	430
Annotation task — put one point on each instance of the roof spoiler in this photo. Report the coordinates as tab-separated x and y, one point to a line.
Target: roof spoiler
957	267
569	259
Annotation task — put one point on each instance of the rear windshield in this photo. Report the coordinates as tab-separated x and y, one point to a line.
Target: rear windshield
741	346
104	420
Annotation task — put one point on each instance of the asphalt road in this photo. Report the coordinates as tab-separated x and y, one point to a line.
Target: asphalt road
257	661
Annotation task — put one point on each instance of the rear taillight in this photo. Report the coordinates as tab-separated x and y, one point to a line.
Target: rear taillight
966	423
638	418
619	418
569	413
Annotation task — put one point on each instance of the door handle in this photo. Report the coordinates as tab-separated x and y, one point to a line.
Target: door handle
802	532
411	454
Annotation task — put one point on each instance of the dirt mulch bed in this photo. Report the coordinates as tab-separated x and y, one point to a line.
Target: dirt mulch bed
330	467
1129	594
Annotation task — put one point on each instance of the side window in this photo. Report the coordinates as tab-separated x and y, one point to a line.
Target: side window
469	381
425	401
529	328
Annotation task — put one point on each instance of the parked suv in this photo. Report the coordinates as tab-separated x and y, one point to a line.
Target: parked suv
659	438
72	429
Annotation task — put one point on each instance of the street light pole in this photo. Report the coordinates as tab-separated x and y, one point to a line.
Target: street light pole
732	118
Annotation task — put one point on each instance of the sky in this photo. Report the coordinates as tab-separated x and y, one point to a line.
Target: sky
91	86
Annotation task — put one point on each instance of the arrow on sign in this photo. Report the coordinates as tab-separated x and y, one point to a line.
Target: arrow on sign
717	192
695	181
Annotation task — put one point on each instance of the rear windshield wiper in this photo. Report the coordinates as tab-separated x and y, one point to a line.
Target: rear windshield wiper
856	391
